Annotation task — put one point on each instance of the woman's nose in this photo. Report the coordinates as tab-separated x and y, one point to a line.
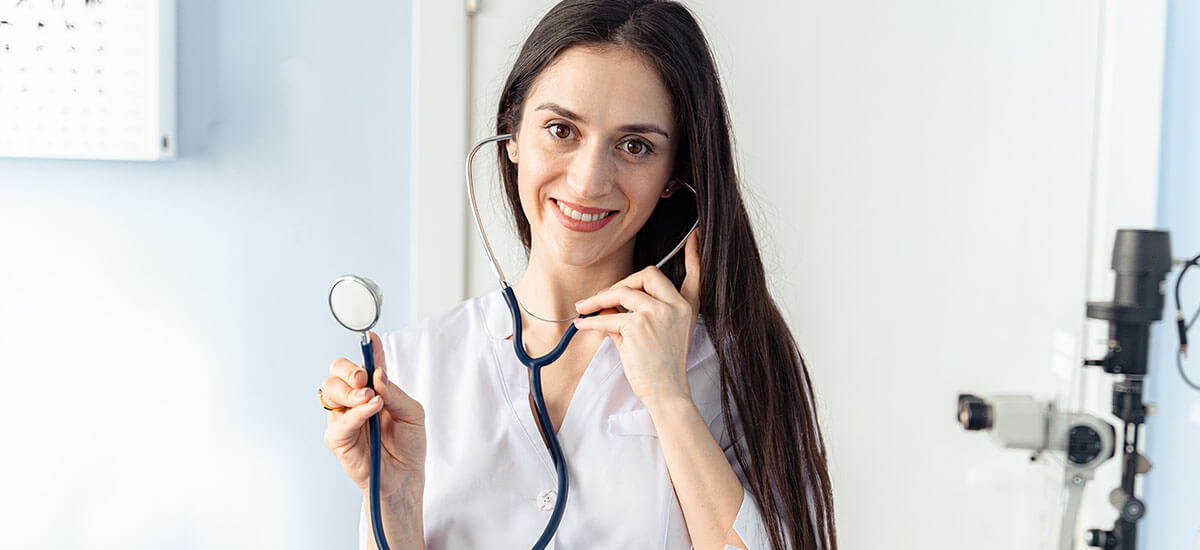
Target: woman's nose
592	174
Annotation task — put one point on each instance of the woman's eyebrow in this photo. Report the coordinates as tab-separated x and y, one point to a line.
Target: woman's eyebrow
566	113
644	129
562	112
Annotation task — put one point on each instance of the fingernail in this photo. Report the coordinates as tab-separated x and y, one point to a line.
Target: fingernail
364	392
383	376
373	400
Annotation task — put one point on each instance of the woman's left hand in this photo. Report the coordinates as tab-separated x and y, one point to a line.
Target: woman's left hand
654	333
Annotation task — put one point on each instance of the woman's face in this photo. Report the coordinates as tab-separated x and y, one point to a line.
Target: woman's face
594	153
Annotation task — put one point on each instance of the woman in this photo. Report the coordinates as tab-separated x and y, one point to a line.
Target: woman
677	429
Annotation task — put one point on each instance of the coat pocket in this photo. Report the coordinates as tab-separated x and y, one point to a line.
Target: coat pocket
635	422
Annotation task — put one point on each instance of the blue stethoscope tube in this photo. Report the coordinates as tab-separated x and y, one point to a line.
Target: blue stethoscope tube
368	350
535	365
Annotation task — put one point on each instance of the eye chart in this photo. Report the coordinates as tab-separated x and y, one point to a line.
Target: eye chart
87	79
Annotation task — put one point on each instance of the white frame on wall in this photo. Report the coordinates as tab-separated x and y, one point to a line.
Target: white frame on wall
82	79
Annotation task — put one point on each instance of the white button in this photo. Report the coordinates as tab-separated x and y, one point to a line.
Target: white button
546	499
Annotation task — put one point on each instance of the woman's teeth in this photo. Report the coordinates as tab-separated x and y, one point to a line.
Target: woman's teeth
579	216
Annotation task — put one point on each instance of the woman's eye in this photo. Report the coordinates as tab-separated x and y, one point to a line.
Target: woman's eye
560	131
636	147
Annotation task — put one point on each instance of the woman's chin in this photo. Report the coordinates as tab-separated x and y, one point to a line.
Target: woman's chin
577	259
578	256
570	252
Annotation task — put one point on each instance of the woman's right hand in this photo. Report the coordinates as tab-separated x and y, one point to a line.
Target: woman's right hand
401	426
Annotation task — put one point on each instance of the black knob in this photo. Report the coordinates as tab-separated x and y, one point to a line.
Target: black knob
1083	444
1133	509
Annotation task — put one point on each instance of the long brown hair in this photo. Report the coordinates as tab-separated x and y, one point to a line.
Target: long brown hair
763	376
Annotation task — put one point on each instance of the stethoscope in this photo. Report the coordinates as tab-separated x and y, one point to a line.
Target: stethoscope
355	303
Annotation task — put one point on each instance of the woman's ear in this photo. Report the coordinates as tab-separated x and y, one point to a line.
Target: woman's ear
671	188
511	147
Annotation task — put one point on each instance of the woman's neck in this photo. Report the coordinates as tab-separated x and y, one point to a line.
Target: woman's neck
550	289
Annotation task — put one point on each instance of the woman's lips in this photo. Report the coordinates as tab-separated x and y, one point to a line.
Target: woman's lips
580	225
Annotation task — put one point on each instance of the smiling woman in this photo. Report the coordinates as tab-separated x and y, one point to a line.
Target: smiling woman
683	409
633	65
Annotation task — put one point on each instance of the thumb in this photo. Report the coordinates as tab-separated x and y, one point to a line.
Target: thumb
377	351
398	403
690	289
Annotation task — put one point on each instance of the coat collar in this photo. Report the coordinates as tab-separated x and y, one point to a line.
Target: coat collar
496	316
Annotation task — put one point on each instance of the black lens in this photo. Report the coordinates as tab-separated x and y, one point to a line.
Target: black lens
974	413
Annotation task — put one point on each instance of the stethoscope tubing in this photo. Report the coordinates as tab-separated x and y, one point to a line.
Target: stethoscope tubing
535	365
368	350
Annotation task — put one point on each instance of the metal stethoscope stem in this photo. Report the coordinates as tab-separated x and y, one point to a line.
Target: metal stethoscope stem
475	206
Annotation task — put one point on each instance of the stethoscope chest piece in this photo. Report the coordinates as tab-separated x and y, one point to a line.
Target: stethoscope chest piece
355	302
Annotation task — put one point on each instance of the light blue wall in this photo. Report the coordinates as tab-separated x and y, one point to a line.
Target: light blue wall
1172	489
163	328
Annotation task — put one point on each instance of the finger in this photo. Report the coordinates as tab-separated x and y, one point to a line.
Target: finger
344	431
353	373
652	281
337	393
626	297
612	324
690	289
656	284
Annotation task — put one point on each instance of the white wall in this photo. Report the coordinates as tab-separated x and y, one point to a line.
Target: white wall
163	326
927	178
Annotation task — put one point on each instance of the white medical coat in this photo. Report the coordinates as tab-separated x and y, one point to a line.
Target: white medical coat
489	480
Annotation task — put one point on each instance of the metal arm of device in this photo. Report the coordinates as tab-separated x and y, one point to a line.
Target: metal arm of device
1022	422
